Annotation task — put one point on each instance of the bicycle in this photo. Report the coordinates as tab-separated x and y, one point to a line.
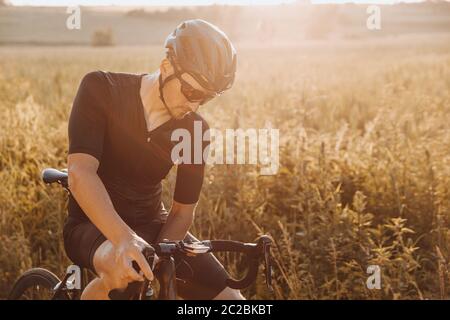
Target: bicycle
30	283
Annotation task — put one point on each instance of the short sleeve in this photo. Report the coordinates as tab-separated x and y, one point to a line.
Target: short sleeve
87	122
190	176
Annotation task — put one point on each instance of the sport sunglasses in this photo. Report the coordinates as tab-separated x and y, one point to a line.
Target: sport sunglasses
191	94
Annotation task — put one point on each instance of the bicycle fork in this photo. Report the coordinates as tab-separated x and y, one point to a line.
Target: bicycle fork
165	273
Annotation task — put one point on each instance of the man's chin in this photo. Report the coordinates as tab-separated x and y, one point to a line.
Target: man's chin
180	116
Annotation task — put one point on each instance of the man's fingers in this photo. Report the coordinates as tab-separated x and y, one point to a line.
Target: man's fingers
143	264
133	275
130	272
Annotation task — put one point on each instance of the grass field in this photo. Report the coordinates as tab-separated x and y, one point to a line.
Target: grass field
364	162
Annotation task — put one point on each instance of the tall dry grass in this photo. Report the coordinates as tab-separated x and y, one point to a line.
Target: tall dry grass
364	163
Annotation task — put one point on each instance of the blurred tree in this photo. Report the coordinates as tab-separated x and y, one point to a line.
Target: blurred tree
102	37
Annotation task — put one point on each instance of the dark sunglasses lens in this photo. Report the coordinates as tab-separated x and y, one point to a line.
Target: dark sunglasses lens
192	94
197	95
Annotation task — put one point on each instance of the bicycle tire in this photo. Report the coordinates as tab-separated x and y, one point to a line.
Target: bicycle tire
34	278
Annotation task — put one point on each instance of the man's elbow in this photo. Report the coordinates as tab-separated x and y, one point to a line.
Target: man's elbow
80	167
73	178
76	175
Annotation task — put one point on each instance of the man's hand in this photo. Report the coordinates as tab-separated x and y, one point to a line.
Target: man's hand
129	250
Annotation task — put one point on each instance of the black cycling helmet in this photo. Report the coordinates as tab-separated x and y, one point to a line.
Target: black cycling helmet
205	52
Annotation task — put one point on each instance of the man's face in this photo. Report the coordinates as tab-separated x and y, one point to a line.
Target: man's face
176	101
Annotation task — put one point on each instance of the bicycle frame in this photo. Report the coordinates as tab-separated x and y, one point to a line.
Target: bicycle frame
167	279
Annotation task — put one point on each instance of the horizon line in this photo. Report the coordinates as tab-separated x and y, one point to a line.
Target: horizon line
193	3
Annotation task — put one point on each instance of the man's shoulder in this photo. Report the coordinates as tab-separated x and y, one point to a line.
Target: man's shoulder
92	78
123	79
100	77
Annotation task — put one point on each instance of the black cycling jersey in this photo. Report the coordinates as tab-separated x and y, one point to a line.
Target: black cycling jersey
107	121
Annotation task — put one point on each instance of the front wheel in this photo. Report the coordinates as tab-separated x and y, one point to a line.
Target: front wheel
34	284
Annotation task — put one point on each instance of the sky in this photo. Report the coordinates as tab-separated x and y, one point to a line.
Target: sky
180	2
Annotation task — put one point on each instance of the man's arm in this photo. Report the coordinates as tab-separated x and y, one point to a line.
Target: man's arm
87	129
178	222
93	198
91	195
187	187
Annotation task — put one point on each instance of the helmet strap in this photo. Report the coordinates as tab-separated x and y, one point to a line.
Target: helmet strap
161	93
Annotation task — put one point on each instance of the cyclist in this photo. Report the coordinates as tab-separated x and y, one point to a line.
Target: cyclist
119	151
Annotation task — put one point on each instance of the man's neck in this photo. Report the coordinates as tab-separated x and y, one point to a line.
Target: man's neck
155	112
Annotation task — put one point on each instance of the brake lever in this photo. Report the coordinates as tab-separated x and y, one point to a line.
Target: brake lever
149	254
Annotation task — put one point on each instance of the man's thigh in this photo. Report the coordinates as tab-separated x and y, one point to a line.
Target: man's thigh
81	241
201	277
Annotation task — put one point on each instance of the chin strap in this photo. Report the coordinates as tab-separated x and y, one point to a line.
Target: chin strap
161	94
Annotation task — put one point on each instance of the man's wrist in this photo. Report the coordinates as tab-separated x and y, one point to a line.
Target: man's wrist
123	235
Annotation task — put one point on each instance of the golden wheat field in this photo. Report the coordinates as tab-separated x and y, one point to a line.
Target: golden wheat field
364	162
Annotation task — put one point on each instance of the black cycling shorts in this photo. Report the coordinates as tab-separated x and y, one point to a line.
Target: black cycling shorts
198	278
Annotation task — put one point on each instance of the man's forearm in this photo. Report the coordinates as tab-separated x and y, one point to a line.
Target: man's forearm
90	193
177	225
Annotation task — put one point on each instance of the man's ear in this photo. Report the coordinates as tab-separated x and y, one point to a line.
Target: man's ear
166	67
